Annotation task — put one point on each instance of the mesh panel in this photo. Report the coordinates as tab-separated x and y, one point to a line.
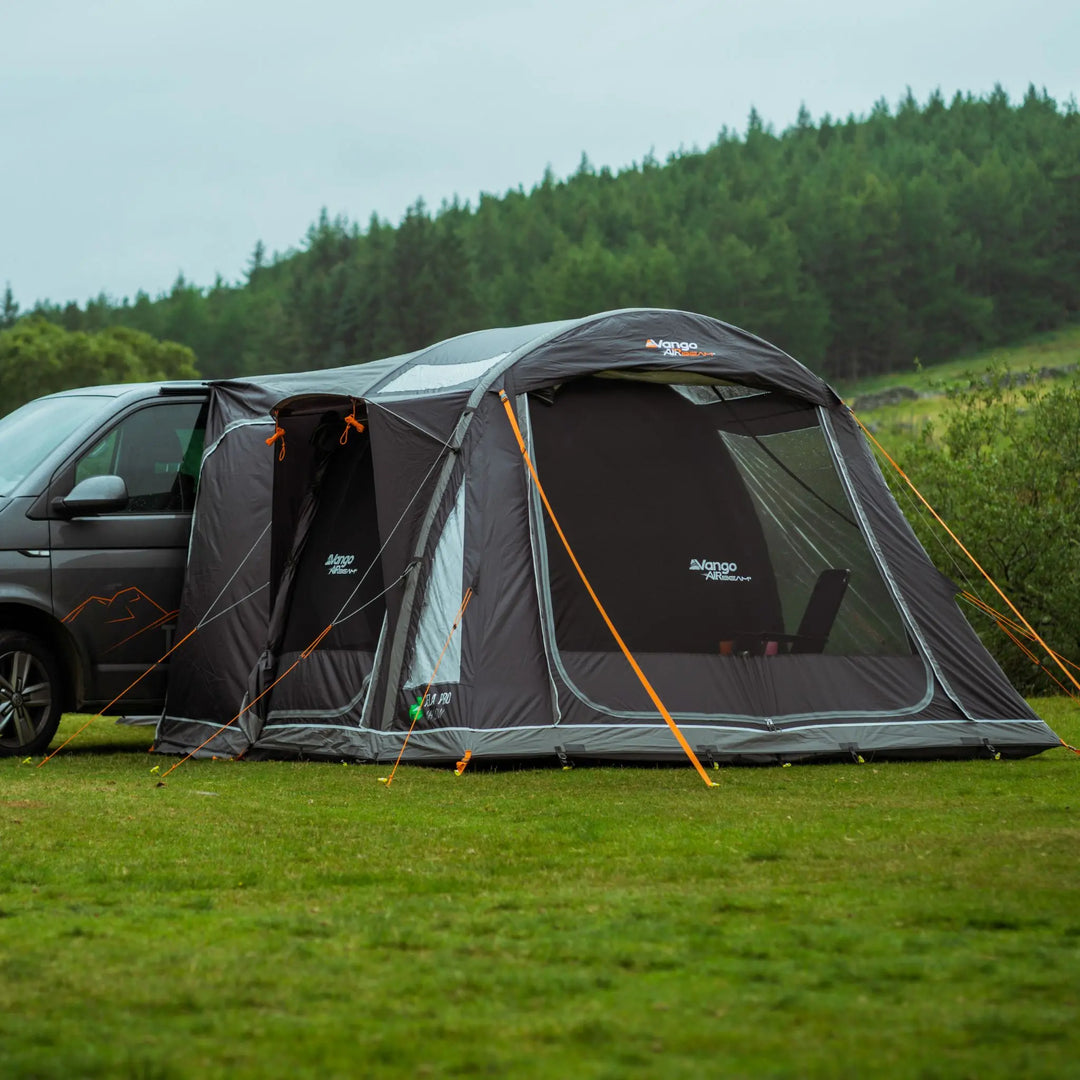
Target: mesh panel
720	538
810	529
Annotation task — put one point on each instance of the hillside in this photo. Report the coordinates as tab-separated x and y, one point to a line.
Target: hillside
993	444
921	230
898	404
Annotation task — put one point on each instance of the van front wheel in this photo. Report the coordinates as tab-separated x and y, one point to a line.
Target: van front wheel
30	694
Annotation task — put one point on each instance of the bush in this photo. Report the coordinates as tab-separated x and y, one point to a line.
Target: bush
1003	469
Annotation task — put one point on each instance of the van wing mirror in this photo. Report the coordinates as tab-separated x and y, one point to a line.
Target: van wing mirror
94	495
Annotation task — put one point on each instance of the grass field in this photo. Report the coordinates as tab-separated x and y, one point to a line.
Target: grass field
283	919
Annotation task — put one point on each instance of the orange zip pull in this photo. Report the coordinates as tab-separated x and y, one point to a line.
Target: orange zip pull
279	433
351	422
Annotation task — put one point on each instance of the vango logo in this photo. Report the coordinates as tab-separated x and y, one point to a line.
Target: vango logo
340	564
677	348
718	570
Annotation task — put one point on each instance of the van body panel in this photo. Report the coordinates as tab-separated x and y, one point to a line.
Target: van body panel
116	587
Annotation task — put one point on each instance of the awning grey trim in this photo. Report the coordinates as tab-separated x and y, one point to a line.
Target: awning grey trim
539	551
263	421
883	565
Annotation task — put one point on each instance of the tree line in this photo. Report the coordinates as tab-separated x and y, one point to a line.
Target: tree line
923	230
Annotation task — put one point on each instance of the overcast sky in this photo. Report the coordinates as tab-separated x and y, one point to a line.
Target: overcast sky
143	138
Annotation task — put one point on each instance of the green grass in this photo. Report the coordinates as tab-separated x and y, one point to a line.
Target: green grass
283	919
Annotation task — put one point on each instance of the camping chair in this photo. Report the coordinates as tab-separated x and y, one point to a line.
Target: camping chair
814	627
821	611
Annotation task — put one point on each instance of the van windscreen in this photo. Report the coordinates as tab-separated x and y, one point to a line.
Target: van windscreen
32	432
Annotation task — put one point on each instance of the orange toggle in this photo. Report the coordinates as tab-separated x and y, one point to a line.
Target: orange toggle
279	433
350	422
463	763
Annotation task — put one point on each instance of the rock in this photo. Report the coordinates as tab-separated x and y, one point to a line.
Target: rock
894	395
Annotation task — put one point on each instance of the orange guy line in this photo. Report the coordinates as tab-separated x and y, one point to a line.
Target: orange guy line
420	705
975	562
153	626
596	600
117	698
303	656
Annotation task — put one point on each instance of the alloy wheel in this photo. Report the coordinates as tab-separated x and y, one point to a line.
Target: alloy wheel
25	698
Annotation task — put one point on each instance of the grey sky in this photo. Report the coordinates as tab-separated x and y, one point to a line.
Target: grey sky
141	138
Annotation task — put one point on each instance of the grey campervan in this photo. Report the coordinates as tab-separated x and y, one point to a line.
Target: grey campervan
97	488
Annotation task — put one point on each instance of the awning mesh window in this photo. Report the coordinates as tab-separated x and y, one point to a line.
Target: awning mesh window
809	529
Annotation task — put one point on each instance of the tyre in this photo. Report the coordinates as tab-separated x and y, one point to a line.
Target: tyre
31	693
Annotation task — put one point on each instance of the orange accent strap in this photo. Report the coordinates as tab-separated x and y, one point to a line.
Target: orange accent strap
418	711
1028	628
596	600
463	763
279	433
130	686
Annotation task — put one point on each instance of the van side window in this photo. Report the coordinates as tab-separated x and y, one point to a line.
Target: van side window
157	451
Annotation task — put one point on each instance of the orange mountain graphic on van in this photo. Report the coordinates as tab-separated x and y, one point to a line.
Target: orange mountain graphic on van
125	601
130	606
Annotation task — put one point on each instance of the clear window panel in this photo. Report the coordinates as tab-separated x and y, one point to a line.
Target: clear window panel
157	451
